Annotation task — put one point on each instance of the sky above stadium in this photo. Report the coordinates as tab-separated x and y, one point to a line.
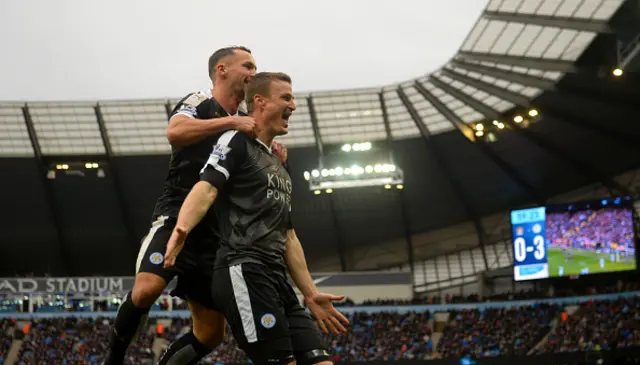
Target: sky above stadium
143	49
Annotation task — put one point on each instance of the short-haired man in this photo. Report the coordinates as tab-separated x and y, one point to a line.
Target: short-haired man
195	120
252	191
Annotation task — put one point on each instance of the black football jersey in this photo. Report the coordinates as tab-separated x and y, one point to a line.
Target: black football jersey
186	162
253	206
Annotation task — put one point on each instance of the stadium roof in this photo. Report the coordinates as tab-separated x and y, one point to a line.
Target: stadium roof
551	56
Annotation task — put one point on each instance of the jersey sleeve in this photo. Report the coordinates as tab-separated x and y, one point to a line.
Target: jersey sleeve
229	153
189	105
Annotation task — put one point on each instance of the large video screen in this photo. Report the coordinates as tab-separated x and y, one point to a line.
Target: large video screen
573	239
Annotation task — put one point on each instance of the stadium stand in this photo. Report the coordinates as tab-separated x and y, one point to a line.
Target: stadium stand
496	332
384	336
76	341
384	333
598	326
6	335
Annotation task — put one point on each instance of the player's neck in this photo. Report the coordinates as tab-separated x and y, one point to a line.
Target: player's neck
266	137
227	99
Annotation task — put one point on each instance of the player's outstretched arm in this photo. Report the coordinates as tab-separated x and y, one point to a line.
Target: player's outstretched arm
227	154
196	206
193	209
320	304
297	265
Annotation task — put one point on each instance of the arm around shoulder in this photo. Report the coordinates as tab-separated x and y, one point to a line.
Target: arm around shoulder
184	130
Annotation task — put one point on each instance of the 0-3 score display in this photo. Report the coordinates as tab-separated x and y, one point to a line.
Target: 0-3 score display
529	244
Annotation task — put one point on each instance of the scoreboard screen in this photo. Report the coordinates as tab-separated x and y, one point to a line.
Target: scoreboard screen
573	239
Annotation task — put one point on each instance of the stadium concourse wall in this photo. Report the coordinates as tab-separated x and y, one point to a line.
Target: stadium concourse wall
433	308
358	287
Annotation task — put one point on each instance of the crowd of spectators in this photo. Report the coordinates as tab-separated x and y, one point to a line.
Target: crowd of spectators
373	336
383	335
78	341
597	326
496	332
383	302
6	333
544	294
585	228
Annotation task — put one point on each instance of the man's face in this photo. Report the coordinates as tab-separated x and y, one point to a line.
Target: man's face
278	107
239	69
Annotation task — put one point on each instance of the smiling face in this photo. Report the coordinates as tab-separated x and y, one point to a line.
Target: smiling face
271	101
239	69
233	68
278	108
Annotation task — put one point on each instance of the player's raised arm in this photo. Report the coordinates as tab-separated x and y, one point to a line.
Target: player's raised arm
227	154
320	304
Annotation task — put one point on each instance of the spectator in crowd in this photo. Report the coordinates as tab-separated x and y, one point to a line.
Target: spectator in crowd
6	331
76	341
386	335
609	229
598	326
496	332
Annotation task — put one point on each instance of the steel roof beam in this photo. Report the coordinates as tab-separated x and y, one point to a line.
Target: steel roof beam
403	208
503	94
520	61
517	77
629	139
486	111
127	219
387	126
48	192
168	109
316	129
585	25
444	168
334	216
586	168
542	142
466	130
553	114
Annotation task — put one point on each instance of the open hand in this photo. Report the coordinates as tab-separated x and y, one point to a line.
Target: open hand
280	151
246	125
328	317
174	246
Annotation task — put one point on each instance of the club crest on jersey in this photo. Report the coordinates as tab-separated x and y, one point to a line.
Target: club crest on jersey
268	320
156	258
220	151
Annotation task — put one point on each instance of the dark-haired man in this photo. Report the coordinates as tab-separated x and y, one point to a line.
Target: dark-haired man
194	121
258	245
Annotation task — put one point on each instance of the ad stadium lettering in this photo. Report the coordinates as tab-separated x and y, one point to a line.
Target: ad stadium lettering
61	285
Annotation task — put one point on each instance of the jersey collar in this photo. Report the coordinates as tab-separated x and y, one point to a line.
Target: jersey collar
264	145
218	107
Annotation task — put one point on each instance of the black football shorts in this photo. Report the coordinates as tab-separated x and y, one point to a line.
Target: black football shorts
266	317
194	264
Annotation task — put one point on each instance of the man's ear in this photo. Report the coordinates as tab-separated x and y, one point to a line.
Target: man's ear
221	69
258	101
